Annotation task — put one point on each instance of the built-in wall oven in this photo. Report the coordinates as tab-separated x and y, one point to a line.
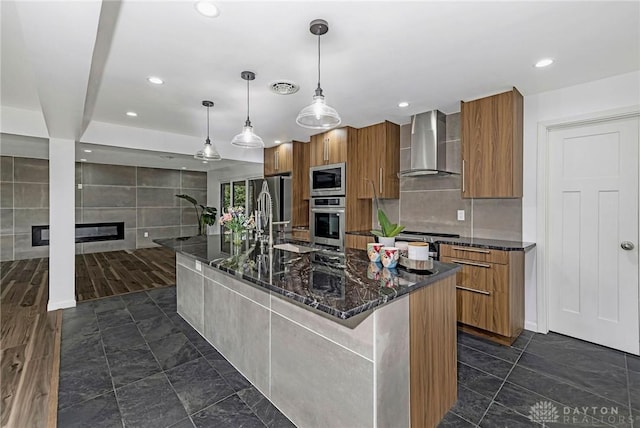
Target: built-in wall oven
328	180
327	221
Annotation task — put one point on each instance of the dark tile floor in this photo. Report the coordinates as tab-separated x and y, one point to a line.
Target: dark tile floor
584	385
133	361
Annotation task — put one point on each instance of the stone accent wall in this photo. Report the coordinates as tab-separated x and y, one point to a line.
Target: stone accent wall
24	202
144	198
430	204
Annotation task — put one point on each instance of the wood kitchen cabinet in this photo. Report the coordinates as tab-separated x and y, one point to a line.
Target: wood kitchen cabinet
491	135
358	242
300	184
489	290
330	147
278	159
379	161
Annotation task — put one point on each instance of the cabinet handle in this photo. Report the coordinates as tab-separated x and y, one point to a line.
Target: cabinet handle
463	176
473	290
276	159
471	250
326	149
464	262
380	180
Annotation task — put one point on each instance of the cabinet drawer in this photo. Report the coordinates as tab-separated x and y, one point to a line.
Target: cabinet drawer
474	254
481	275
486	311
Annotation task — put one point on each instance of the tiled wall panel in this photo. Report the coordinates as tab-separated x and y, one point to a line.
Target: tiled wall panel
144	198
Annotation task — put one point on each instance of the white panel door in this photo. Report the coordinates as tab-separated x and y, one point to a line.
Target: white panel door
593	210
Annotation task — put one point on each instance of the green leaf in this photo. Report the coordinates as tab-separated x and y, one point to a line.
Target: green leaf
396	231
388	229
188	198
377	233
383	220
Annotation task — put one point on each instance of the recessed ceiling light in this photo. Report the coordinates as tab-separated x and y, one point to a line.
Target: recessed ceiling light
543	63
207	8
155	80
403	104
205	162
277	142
83	160
87	151
184	167
132	114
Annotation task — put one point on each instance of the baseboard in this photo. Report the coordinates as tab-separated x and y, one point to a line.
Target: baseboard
63	304
531	326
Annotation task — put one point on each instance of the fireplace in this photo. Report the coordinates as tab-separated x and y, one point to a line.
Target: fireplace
85	232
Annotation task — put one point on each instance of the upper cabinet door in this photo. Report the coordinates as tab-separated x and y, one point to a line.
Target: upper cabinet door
284	159
270	161
379	161
336	145
491	130
330	147
318	150
278	160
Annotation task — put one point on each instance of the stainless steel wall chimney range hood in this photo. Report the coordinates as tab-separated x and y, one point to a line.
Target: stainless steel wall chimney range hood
428	150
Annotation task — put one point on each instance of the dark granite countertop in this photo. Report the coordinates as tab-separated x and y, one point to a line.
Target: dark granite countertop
493	244
339	284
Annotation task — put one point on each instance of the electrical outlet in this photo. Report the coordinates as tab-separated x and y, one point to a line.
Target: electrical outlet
79	186
198	266
460	215
146	234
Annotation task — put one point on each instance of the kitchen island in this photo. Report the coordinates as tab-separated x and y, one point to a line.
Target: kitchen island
330	339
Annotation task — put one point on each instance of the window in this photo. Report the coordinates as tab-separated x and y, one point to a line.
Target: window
239	195
225	196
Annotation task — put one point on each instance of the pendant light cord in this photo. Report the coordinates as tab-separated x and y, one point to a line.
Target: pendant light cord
318	89
208	141
248	122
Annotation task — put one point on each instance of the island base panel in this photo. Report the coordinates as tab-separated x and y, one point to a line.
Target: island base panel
432	321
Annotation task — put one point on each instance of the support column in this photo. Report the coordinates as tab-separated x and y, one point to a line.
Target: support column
62	224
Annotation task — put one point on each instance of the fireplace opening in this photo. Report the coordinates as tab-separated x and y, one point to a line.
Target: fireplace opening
85	232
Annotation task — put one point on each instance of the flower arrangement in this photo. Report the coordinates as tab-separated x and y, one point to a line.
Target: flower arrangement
236	220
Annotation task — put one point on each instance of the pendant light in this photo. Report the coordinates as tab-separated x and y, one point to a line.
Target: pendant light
318	115
247	138
208	152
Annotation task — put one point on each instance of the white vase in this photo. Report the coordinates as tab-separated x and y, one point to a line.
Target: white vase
386	241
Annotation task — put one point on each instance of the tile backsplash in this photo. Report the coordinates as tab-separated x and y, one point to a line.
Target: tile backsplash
431	203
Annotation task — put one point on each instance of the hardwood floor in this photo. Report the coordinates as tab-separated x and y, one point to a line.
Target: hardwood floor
120	272
30	336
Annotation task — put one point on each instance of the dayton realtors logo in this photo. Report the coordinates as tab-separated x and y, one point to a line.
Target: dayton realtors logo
545	412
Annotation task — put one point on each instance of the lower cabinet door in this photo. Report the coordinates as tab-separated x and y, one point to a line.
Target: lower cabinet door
473	308
487	310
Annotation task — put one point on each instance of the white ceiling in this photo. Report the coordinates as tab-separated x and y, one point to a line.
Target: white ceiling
431	54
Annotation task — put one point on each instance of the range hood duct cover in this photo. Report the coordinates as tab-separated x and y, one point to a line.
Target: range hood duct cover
428	150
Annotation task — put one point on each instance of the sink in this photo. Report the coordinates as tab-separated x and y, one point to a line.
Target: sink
294	248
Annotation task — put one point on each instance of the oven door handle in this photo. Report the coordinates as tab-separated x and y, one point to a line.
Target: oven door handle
327	210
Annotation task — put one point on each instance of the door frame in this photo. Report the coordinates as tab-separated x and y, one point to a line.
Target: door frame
542	232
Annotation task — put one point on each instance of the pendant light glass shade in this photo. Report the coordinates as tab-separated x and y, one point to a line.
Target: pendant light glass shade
247	138
208	152
318	115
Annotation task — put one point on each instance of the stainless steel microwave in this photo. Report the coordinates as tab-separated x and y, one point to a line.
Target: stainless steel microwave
328	180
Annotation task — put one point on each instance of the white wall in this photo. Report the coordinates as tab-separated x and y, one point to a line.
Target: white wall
598	96
214	178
